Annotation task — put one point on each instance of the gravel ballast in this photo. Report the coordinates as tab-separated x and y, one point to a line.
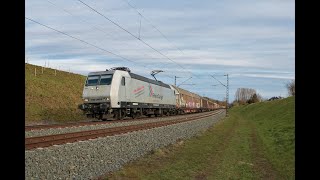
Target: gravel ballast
52	131
93	158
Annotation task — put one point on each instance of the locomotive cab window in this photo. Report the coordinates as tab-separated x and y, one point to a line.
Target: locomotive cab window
92	80
123	81
105	79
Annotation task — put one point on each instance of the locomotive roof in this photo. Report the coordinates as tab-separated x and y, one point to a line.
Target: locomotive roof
100	72
159	83
134	76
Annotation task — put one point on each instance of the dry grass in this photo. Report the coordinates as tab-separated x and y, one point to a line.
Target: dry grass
50	98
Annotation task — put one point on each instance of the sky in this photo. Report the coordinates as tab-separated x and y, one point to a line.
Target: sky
253	41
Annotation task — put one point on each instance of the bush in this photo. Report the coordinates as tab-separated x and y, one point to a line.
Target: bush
291	87
254	98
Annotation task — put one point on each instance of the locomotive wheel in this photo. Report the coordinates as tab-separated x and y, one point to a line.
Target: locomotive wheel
117	115
134	115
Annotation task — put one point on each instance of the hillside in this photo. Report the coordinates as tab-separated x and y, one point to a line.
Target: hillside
256	141
50	98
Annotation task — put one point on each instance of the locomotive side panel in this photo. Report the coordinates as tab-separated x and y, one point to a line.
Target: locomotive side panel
134	90
146	92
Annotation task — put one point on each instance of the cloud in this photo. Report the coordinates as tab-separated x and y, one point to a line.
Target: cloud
249	39
272	76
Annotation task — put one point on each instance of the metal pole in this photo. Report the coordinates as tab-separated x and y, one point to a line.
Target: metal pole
227	90
139	26
227	95
175	80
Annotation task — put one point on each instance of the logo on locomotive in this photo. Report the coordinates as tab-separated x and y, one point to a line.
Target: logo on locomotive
139	91
152	94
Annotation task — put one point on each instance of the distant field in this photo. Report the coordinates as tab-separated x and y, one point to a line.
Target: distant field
52	98
256	141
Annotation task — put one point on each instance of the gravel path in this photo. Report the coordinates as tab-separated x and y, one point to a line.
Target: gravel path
93	158
45	132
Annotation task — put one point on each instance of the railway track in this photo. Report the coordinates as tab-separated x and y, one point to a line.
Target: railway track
50	140
79	124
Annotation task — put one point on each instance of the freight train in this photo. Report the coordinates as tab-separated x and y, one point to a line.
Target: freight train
118	93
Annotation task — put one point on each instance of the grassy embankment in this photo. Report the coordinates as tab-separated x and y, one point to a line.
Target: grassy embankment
52	98
256	141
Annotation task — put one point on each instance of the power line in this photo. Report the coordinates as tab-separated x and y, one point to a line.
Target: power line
132	34
97	28
218	81
94	27
152	25
80	40
160	31
85	42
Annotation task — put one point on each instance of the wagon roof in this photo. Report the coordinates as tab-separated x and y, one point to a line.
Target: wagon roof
183	91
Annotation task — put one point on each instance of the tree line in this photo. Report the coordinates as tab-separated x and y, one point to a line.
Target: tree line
247	95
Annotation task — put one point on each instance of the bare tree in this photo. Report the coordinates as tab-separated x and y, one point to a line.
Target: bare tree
243	95
291	88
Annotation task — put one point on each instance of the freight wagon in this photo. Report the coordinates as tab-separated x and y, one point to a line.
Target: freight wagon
189	102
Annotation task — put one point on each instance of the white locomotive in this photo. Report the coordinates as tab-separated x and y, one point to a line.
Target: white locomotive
117	93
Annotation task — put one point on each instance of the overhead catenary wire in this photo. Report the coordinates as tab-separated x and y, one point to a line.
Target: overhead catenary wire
116	24
96	45
80	40
219	81
84	42
164	36
142	16
100	29
85	21
155	27
138	38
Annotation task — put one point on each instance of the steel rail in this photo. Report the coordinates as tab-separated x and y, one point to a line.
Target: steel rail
50	140
79	124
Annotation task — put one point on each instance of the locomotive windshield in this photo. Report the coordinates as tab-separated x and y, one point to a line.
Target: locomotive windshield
105	79
99	80
92	80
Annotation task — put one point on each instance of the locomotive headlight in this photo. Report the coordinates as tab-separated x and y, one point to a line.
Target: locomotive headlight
86	100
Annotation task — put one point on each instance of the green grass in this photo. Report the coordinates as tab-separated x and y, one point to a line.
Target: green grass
52	98
255	142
